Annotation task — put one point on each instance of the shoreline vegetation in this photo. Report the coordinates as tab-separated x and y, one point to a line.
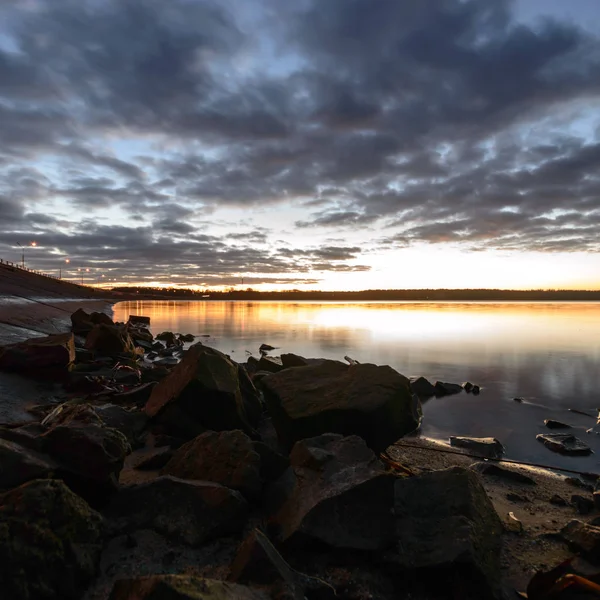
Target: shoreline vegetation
463	295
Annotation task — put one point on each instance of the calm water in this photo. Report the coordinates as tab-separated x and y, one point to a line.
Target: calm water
547	353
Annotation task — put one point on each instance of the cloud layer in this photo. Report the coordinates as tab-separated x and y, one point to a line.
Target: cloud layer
200	141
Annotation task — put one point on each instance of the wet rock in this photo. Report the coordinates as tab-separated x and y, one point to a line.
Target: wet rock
90	455
181	587
367	400
43	356
168	337
583	505
167	361
564	443
518	399
227	457
552	424
422	387
488	447
475	390
270	364
186	337
583	538
293	360
447	389
558	500
493	470
138	319
266	348
50	542
26	436
258	561
467	386
192	512
19	465
109	339
100	318
337	492
205	391
448	528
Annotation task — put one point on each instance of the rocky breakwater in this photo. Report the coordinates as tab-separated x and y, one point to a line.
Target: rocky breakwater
203	478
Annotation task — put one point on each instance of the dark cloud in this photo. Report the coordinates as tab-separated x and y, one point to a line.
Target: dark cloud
443	122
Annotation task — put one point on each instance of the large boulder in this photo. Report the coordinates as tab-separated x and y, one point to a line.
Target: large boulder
367	400
50	542
81	322
44	356
131	423
583	538
19	465
109	339
192	512
337	492
90	455
226	457
205	391
447	528
181	587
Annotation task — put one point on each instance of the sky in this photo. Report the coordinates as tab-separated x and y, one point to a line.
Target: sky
315	144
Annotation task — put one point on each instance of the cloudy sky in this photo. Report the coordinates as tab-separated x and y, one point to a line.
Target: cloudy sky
335	144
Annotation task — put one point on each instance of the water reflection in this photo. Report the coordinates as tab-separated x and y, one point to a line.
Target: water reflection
548	353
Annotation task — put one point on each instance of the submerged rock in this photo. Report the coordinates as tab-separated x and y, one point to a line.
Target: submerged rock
49	355
448	529
564	443
447	389
181	587
192	512
336	491
552	424
205	391
50	542
488	447
367	400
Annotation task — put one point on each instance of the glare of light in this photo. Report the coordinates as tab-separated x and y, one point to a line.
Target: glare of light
67	260
34	243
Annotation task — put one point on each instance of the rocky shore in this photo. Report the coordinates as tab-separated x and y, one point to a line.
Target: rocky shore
170	471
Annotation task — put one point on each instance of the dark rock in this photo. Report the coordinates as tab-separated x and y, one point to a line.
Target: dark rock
422	387
552	424
266	348
81	322
100	318
155	461
181	587
513	497
558	500
475	390
564	443
186	337
138	395
161	440
50	542
167	361
205	391
155	374
227	457
258	561
583	505
143	344
26	436
491	469
131	423
576	482
39	356
447	527
447	389
270	364
109	339
192	512
168	337
373	402
337	492
91	455
488	447
135	319
518	399
293	360
583	538
19	465
158	346
467	386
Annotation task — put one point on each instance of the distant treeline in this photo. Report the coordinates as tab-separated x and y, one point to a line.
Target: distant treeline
368	295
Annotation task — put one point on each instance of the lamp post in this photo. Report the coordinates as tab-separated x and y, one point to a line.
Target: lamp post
23	252
67	261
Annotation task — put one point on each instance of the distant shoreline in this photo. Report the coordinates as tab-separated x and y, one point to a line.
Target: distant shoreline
461	295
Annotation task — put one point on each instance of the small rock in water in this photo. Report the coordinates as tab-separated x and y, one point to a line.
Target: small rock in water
266	348
476	389
552	424
564	443
447	389
489	447
518	399
468	386
422	387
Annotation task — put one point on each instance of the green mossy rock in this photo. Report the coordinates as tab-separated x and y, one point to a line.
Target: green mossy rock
50	542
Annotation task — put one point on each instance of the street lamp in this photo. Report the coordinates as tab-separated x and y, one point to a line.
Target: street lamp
23	252
67	261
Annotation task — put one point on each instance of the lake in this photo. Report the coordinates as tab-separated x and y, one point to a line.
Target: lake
546	353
